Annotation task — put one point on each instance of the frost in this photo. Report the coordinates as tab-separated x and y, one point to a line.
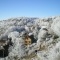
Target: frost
46	32
56	26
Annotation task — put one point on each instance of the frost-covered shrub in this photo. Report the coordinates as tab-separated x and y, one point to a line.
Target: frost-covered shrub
55	52
26	28
42	36
31	49
14	28
42	55
15	34
56	26
35	32
18	48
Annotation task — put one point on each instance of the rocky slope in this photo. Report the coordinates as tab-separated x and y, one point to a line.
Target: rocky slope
45	31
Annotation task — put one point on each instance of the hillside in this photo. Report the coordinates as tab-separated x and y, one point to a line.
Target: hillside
43	34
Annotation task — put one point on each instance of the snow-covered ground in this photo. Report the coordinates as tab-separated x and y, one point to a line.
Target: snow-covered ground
46	31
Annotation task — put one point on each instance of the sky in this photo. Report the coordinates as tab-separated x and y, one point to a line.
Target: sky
29	8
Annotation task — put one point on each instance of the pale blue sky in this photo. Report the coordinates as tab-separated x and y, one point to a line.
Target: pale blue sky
29	8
